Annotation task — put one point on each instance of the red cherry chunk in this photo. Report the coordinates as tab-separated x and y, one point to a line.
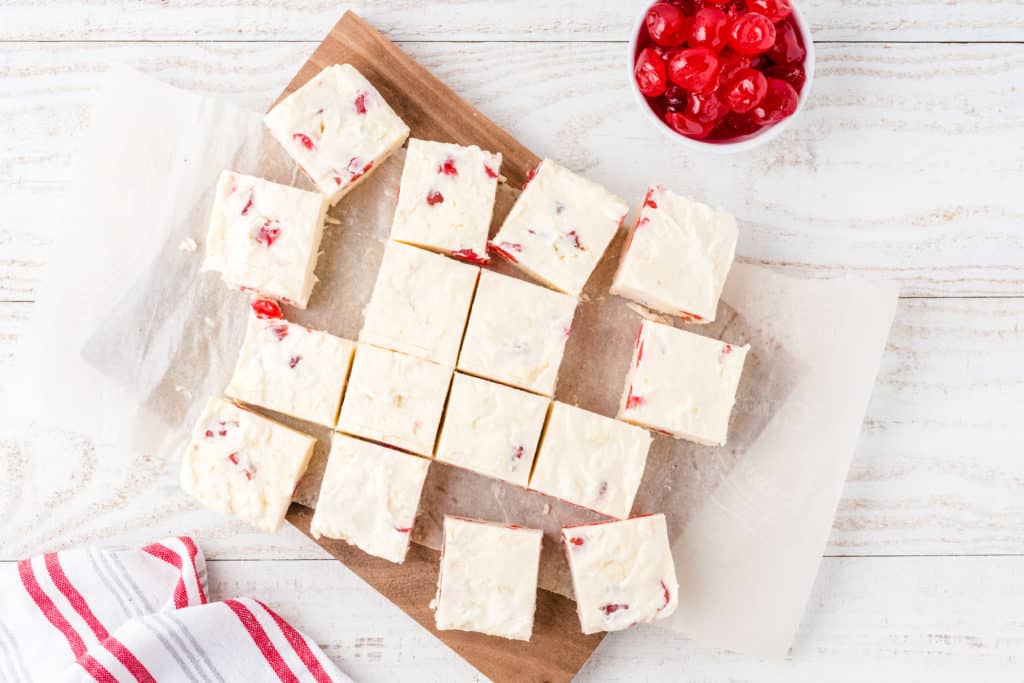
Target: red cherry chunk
775	10
694	69
746	90
751	34
787	48
294	361
779	102
448	167
435	197
710	28
666	24
268	233
613	608
267	310
649	72
304	140
361	103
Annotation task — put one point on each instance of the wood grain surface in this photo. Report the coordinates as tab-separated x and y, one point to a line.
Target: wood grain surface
906	165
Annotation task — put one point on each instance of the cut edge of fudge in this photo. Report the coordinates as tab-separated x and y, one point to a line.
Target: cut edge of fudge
325	523
628	400
573	541
652	299
436	604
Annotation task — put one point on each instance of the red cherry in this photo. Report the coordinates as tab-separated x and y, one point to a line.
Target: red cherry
775	10
675	96
779	102
732	63
746	90
361	103
751	34
791	73
666	24
735	126
787	48
304	140
707	108
710	29
694	69
650	73
691	128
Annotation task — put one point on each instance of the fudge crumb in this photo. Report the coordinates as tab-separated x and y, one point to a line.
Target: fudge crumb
647	313
188	244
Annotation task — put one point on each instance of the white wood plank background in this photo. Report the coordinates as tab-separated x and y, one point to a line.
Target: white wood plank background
907	164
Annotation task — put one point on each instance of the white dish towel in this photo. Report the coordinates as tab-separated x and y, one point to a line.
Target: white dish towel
142	615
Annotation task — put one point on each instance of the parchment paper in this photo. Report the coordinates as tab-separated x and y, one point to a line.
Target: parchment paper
128	314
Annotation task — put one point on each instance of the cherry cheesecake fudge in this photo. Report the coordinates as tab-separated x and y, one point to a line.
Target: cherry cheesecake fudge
591	460
559	228
394	399
682	384
265	237
337	128
290	368
677	257
622	572
420	304
517	333
244	464
446	199
491	428
488	578
369	496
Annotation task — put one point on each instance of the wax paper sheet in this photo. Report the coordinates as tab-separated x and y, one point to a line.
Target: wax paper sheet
130	318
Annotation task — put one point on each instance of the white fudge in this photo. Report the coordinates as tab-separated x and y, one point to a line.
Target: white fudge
244	464
591	460
559	228
488	578
369	496
677	257
622	572
682	384
517	333
338	128
291	369
446	198
265	237
420	304
395	399
491	428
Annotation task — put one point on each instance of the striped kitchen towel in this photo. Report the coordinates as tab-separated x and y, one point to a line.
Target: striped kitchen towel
142	615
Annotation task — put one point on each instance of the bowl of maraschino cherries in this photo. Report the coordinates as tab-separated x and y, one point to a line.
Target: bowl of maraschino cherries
722	75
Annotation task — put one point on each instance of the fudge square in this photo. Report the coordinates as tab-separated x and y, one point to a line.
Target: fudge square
488	578
517	333
244	464
622	572
369	497
682	384
291	369
677	257
447	198
395	399
265	237
591	460
337	127
491	428
419	304
559	227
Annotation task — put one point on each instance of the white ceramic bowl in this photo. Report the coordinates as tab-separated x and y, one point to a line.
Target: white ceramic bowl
739	144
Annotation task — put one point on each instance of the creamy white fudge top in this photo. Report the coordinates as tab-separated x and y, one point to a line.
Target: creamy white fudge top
559	227
622	572
338	128
395	399
265	237
369	497
682	384
446	198
291	369
517	333
244	464
488	578
591	460
419	304
491	428
678	256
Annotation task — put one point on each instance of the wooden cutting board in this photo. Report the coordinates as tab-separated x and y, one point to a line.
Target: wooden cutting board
558	650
